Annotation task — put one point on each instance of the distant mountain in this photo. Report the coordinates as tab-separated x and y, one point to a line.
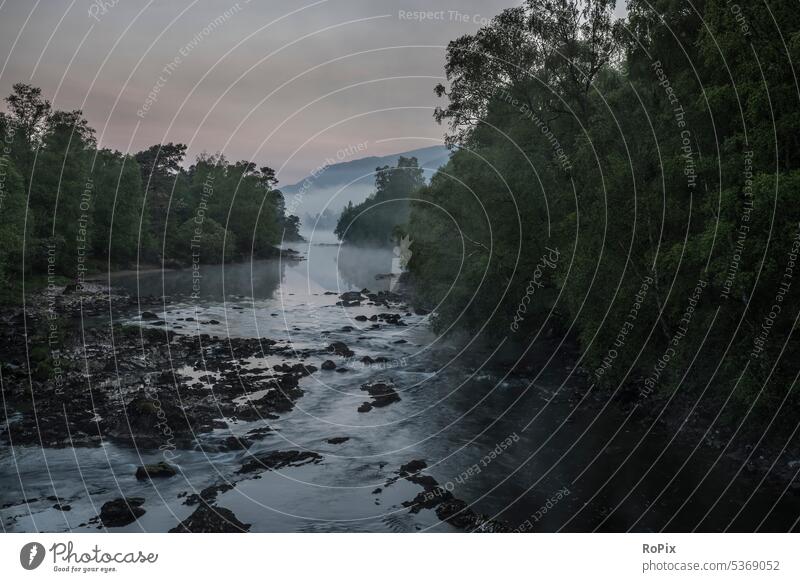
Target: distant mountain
337	184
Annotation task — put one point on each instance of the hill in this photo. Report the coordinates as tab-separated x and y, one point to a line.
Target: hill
352	181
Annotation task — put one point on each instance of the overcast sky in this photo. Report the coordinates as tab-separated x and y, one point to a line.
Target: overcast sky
287	83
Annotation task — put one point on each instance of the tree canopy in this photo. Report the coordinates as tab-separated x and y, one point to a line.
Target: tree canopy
69	207
655	158
378	218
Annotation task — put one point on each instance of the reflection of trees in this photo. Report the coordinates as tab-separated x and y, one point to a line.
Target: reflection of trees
359	265
356	268
259	279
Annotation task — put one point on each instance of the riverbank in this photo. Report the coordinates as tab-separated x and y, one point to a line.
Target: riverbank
16	292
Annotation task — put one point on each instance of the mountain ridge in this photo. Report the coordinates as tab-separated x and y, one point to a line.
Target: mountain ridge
357	173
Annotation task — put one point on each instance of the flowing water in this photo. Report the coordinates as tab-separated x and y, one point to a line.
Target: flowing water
529	446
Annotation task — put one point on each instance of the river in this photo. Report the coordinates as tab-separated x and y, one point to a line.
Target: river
528	445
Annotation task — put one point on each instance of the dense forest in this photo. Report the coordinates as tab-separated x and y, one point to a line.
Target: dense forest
632	184
70	208
382	217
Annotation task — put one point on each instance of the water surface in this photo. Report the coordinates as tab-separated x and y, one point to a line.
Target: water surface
573	463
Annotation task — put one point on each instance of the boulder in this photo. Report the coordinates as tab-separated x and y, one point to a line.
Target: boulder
340	349
211	519
414	466
382	393
160	470
274	460
351	296
121	512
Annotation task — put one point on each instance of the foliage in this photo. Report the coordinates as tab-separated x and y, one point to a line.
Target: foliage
658	157
378	218
91	208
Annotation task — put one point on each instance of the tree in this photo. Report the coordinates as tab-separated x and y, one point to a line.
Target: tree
161	174
661	162
28	114
121	226
89	208
375	220
62	191
545	55
12	218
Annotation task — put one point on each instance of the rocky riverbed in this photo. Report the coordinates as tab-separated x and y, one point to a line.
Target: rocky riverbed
155	386
309	396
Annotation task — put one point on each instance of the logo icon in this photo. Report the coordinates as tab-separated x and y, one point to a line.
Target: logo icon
31	555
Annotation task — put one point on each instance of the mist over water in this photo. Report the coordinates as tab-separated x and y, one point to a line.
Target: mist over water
456	408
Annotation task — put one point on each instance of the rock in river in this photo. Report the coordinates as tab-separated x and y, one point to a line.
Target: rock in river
340	349
120	512
338	440
211	519
383	394
351	296
155	470
274	460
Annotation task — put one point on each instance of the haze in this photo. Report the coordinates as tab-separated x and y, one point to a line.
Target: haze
283	83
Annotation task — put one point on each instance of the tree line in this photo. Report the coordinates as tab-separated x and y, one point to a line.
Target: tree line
382	217
630	183
68	207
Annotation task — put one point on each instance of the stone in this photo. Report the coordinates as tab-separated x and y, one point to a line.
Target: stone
121	512
161	470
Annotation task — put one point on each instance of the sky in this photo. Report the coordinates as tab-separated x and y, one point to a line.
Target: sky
284	83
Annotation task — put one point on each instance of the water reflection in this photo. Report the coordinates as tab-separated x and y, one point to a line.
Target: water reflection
326	267
259	279
456	409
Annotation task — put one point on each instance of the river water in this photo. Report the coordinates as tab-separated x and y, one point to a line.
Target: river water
526	444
